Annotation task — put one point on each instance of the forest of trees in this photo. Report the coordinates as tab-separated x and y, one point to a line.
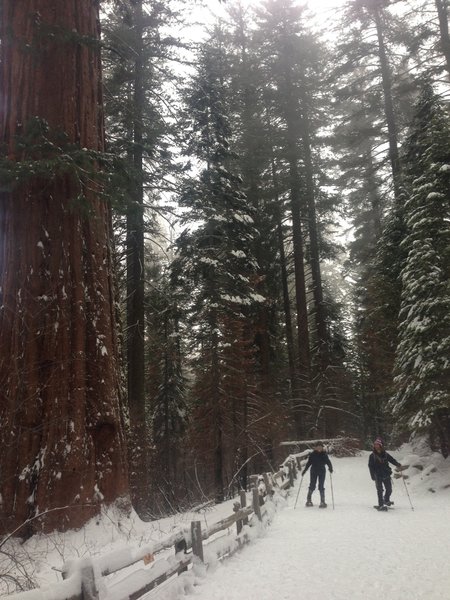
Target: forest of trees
214	239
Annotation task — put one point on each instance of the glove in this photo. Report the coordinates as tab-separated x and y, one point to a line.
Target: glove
373	478
303	473
331	470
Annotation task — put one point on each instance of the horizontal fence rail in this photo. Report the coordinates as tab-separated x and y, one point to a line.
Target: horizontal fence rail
83	578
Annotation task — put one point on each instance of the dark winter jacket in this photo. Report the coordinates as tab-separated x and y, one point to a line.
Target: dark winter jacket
317	462
379	465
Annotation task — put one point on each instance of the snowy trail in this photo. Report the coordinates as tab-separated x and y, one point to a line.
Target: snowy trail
351	553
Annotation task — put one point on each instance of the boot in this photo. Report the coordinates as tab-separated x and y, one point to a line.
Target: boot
322	504
380	500
308	499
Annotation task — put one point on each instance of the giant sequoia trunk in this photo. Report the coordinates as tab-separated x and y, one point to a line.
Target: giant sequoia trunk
61	425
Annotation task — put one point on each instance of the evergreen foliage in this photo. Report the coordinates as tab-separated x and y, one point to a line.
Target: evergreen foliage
422	365
262	142
214	269
374	99
166	402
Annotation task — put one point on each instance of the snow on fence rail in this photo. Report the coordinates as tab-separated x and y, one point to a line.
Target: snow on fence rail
340	446
83	578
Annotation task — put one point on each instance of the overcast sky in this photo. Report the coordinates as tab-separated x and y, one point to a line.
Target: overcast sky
326	11
323	8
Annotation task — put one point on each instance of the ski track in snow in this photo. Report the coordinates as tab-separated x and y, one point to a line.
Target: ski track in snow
350	553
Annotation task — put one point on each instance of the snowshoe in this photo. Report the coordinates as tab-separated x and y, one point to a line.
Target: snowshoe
309	503
381	508
323	505
389	503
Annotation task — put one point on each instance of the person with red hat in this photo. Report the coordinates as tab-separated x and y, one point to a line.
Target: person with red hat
380	471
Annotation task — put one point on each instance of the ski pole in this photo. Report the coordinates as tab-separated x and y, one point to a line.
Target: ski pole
298	493
407	493
332	492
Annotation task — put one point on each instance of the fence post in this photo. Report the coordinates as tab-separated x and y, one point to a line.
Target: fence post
253	481
197	542
291	475
88	587
256	506
236	509
274	481
181	546
243	496
294	468
269	490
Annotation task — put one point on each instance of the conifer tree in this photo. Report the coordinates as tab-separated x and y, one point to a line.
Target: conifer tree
166	392
293	70
279	24
422	369
442	11
249	141
214	266
136	53
252	140
377	85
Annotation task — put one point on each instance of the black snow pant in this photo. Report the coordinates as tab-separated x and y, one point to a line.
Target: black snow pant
317	475
387	483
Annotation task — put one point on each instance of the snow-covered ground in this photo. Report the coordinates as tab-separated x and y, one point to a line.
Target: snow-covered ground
352	552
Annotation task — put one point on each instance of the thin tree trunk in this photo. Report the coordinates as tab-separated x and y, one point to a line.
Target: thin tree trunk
252	176
167	436
217	412
135	286
285	287
287	311
304	356
60	411
374	196
319	308
244	453
391	122
442	9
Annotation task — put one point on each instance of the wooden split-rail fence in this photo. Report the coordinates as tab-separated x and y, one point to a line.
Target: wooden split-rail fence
83	578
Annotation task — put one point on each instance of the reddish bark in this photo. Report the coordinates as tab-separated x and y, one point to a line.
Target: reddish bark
61	430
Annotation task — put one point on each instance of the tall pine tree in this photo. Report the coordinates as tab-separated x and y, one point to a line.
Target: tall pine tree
422	367
214	266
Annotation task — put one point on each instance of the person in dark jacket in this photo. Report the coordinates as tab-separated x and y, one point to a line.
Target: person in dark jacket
380	471
317	460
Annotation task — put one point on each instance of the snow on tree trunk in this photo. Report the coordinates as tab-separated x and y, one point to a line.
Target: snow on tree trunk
60	413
